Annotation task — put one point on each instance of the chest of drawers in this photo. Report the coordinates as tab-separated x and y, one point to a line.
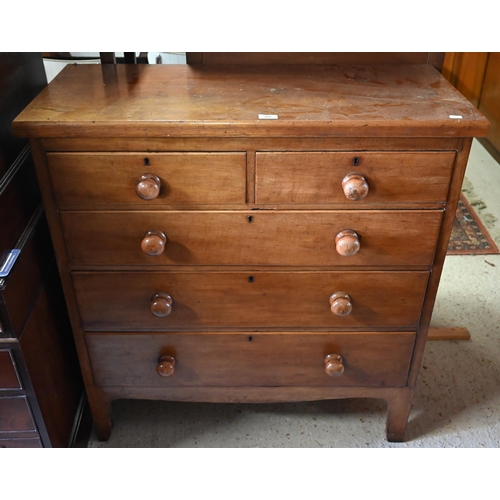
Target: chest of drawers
250	234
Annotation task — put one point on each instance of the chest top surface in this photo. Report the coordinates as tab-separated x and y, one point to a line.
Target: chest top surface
188	101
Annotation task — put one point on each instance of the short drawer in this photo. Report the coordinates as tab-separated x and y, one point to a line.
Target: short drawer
138	301
9	378
123	178
290	238
261	359
317	177
15	415
21	443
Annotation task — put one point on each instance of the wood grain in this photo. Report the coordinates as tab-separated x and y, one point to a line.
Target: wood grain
451	333
227	300
111	179
250	394
489	103
262	359
203	101
238	144
322	58
398	411
441	250
292	238
465	70
250	316
316	177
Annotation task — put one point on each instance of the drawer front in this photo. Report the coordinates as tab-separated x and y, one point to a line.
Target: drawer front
305	238
262	359
112	179
316	177
15	415
9	378
113	301
21	443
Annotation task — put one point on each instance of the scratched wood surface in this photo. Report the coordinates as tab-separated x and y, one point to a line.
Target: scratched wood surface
183	100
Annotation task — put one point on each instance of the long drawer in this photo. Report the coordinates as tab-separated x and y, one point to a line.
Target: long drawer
261	359
115	178
317	177
305	238
129	301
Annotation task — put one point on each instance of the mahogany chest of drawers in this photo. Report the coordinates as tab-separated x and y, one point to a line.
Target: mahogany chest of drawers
250	234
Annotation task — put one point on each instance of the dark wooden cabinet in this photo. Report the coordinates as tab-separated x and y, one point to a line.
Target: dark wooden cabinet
489	103
41	391
477	76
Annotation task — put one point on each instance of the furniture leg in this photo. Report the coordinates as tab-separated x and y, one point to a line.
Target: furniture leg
100	406
398	412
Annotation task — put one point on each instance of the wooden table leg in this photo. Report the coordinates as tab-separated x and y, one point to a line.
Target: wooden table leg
100	407
398	411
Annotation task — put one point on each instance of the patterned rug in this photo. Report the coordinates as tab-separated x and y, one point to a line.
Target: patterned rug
469	236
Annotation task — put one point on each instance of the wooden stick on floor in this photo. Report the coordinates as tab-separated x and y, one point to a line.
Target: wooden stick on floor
457	333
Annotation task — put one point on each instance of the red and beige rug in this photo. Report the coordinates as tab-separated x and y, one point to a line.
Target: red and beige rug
469	236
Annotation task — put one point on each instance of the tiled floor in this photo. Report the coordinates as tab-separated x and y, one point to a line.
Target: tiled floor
457	402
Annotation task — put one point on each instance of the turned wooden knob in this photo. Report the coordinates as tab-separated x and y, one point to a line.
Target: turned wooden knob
161	304
334	365
154	243
347	243
148	187
165	366
355	187
340	304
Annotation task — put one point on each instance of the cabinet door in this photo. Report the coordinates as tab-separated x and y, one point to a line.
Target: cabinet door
465	70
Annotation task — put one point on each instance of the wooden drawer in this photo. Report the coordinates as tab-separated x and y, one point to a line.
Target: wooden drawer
259	359
15	415
9	378
21	443
111	179
113	301
316	177
305	238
